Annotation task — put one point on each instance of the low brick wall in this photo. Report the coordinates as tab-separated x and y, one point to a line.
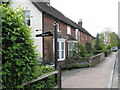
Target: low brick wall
96	59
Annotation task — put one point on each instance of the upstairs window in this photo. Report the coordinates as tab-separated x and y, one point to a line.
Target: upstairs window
27	17
78	35
68	30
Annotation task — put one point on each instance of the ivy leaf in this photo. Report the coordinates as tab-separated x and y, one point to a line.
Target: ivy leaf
13	38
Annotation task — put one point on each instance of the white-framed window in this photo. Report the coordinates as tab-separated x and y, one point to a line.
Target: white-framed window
68	29
61	49
27	17
70	48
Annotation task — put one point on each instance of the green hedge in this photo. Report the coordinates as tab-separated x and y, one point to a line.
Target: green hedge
48	82
107	52
74	63
19	58
75	66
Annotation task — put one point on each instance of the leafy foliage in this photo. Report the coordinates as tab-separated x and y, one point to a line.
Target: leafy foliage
19	59
107	52
79	50
97	44
73	63
105	40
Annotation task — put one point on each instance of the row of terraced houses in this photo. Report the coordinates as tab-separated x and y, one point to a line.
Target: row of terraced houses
43	17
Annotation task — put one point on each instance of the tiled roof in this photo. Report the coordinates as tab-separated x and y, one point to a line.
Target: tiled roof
57	14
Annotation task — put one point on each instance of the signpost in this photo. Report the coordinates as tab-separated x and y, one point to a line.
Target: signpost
44	34
55	51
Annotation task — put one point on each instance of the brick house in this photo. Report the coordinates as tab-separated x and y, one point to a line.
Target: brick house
69	32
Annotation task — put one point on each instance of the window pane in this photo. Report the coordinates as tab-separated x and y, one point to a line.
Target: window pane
27	17
62	54
70	53
58	55
62	45
70	48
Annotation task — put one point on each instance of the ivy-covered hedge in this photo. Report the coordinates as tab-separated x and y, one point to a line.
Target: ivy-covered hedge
48	82
19	58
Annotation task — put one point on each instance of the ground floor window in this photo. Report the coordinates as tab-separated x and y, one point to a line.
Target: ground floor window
70	48
61	49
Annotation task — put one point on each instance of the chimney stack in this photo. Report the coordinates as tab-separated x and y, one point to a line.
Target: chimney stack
47	2
80	22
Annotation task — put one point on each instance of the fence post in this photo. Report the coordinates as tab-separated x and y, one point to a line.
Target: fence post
59	76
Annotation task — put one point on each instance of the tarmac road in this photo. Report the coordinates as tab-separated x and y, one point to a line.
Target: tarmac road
99	76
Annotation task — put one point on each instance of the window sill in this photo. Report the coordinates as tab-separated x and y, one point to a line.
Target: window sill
61	59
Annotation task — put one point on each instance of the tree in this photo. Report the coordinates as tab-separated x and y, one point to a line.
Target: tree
19	55
113	39
97	44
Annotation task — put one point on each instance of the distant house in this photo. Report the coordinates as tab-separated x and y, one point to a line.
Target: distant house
44	16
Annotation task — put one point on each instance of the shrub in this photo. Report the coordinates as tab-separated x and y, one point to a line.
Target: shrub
89	54
76	63
79	50
48	82
107	52
19	63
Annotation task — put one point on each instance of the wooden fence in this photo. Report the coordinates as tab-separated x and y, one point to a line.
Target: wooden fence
57	73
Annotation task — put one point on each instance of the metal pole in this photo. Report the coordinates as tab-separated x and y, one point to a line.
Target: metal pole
55	50
59	76
55	45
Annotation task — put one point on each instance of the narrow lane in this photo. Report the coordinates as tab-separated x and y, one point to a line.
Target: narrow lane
94	77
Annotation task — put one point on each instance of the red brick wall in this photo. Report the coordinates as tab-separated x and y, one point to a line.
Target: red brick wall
73	32
84	38
48	41
63	28
48	23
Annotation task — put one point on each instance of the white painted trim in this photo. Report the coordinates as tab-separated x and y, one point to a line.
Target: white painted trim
72	41
68	29
60	40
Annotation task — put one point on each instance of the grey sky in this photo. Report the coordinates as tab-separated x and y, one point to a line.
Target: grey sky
97	15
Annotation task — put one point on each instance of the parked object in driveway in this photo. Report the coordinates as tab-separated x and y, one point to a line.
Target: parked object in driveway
115	48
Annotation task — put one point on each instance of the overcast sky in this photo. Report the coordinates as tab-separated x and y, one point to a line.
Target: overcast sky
97	15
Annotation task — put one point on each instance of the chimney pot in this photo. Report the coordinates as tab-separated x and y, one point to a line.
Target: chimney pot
80	22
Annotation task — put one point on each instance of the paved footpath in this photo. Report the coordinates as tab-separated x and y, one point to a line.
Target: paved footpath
99	76
115	74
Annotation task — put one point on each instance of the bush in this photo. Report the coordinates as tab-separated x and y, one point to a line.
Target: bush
107	52
89	55
19	63
79	50
75	66
48	82
76	63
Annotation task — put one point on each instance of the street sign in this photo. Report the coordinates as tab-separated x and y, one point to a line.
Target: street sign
44	34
